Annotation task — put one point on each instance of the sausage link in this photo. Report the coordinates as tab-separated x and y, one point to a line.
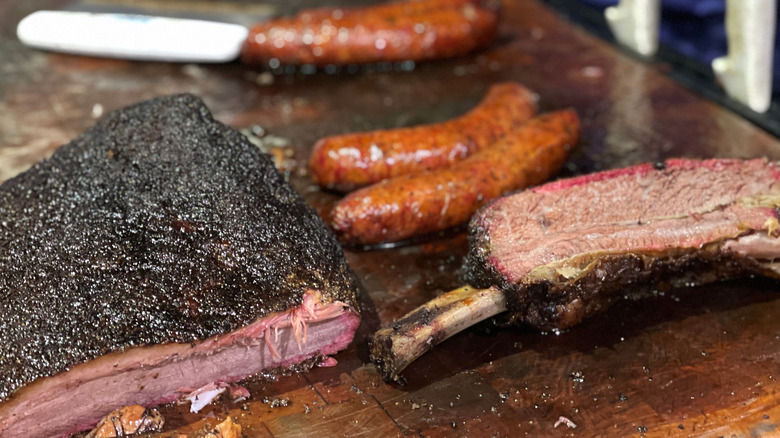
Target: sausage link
347	162
397	31
434	200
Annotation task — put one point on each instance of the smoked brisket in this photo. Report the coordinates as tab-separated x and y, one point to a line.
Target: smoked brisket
155	231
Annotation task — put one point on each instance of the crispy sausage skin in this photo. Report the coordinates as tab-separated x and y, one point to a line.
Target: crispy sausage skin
416	204
346	162
397	31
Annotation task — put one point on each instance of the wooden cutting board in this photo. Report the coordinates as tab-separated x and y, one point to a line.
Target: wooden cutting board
702	361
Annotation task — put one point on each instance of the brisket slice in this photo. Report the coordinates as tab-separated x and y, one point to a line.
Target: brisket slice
554	254
568	249
157	253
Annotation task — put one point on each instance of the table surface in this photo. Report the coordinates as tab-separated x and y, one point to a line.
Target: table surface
690	362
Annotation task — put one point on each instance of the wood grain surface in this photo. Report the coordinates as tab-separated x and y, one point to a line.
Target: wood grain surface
700	361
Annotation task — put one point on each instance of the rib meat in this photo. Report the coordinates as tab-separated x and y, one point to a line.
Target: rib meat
555	254
157	253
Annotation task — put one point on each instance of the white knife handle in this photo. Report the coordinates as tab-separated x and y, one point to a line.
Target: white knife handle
746	72
635	24
137	37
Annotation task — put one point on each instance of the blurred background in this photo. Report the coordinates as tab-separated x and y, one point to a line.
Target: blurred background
692	34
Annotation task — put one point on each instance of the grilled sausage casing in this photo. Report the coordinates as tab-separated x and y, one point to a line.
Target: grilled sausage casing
396	31
347	162
434	200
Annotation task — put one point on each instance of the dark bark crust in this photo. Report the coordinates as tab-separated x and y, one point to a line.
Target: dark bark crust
159	224
557	303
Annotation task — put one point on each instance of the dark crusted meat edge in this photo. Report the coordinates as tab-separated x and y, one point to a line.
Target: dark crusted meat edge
158	224
558	303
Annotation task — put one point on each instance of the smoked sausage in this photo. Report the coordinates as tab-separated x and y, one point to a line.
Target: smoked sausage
434	200
347	162
404	30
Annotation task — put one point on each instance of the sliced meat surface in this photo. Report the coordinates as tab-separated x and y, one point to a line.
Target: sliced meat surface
157	253
569	248
555	254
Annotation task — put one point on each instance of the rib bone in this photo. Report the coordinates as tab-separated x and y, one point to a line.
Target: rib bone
395	346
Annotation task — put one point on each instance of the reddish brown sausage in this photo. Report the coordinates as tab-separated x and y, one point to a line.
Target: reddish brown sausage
346	162
434	200
397	31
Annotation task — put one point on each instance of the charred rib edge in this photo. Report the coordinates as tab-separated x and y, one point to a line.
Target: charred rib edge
397	345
